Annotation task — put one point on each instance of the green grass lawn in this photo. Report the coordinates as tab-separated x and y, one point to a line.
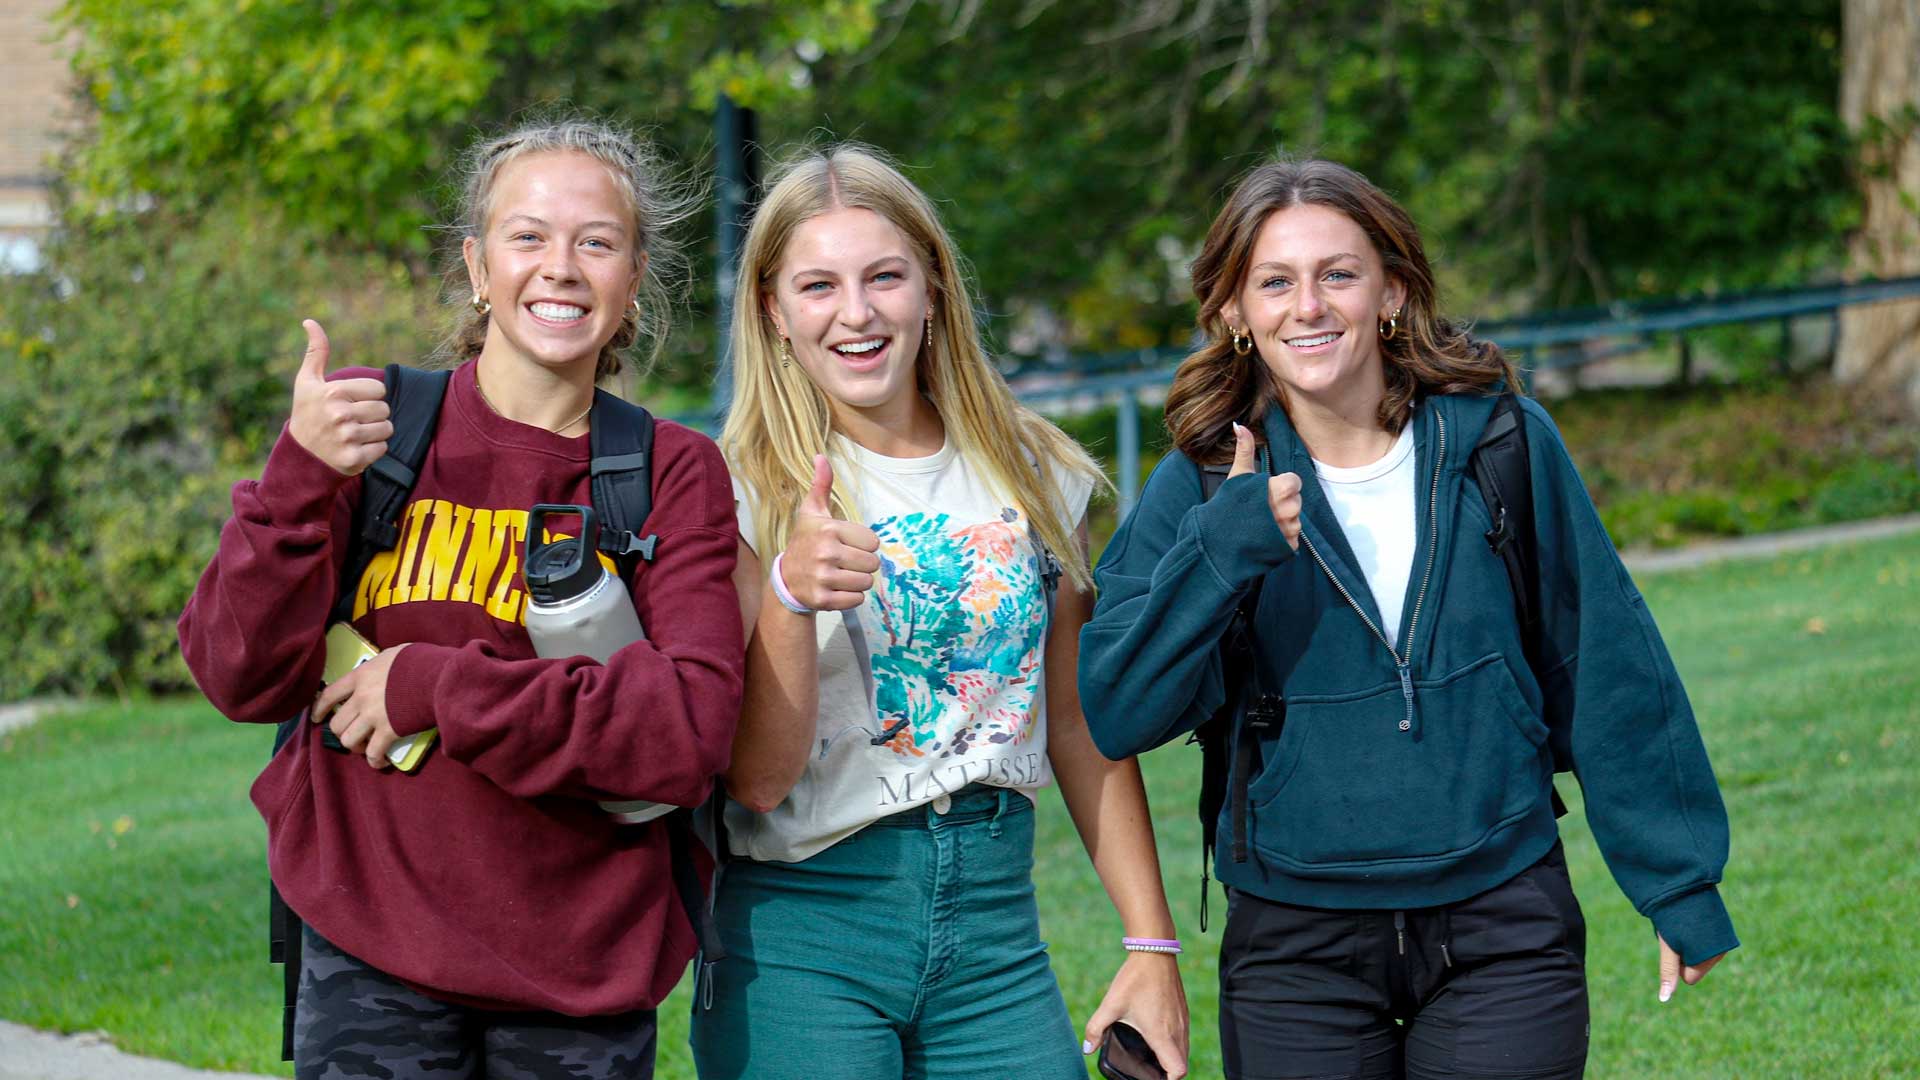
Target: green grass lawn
133	874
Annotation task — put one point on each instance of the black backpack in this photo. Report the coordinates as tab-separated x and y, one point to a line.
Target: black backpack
621	444
1501	469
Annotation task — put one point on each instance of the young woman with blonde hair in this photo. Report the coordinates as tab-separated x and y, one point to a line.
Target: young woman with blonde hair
908	690
482	915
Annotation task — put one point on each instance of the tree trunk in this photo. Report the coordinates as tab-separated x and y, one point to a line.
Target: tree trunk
1880	102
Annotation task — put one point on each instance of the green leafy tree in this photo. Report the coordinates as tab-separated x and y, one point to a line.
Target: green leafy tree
1554	154
250	163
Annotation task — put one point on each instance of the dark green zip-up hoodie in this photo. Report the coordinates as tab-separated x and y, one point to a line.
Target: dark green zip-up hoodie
1418	774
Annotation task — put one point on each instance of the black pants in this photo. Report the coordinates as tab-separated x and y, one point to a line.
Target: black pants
353	1020
1494	986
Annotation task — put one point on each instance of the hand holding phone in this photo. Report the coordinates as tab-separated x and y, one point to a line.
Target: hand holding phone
1124	1055
347	650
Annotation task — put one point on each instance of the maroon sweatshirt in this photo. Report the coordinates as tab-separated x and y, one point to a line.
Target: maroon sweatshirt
488	876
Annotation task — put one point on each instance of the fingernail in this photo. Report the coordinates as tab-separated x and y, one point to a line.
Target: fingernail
1666	991
1086	1045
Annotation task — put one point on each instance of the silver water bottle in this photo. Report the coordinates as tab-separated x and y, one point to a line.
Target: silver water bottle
576	607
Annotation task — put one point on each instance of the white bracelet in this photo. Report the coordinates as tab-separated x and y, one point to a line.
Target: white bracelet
787	599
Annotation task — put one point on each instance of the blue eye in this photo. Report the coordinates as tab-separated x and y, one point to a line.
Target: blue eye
813	286
1341	275
887	274
1273	283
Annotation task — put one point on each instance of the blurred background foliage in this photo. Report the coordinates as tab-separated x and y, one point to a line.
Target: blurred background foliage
249	162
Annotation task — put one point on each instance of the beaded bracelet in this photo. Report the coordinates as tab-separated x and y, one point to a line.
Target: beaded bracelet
787	599
1170	946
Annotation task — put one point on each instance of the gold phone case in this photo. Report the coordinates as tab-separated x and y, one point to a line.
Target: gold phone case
347	650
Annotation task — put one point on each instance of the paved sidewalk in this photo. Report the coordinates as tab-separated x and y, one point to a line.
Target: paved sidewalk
26	1054
19	714
1769	544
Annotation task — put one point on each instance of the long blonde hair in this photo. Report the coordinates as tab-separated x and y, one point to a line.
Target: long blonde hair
779	419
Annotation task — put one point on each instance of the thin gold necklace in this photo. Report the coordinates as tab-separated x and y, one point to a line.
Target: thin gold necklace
503	416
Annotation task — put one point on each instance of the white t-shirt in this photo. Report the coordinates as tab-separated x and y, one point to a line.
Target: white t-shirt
945	655
1375	506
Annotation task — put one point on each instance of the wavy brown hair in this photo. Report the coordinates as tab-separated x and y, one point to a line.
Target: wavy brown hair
1215	388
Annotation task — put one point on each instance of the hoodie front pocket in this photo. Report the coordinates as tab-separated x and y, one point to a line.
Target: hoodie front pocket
1346	785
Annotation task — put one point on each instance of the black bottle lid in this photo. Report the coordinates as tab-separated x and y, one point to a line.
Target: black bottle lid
564	568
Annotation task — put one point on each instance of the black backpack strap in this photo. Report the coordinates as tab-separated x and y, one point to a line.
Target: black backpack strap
1502	469
686	883
283	947
621	442
1227	746
1050	570
413	398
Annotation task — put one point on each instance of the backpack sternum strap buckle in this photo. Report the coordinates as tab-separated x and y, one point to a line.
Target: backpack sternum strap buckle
623	543
1266	712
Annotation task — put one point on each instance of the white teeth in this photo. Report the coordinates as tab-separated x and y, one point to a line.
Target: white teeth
559	312
859	347
1310	342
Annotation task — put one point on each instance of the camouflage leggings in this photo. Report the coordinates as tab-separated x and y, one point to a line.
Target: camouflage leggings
353	1021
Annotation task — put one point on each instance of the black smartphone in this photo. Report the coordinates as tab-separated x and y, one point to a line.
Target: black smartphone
1124	1055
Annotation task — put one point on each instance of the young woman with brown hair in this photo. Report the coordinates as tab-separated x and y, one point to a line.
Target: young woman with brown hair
1398	902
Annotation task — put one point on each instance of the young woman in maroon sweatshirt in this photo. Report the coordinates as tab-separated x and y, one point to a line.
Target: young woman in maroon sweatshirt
482	915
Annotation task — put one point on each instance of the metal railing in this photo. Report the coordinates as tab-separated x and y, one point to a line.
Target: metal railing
1537	342
1559	341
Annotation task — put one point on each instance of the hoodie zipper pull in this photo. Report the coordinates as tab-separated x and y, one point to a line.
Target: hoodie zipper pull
1400	930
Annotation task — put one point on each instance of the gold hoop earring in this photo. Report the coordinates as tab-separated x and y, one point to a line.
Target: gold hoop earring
786	352
481	306
1391	328
636	309
1242	341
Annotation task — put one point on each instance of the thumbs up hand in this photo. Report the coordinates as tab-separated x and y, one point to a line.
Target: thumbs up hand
1283	491
343	423
829	563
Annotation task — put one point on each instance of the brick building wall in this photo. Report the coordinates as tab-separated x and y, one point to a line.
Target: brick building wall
34	110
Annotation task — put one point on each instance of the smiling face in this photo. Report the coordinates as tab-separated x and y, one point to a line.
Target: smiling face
1313	299
852	297
558	260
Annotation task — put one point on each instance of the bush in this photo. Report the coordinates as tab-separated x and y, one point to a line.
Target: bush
1867	489
142	374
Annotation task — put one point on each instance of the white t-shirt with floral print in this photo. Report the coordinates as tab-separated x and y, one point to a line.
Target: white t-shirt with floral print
936	681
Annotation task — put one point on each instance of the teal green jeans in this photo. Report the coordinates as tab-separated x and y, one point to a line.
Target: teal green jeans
910	949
